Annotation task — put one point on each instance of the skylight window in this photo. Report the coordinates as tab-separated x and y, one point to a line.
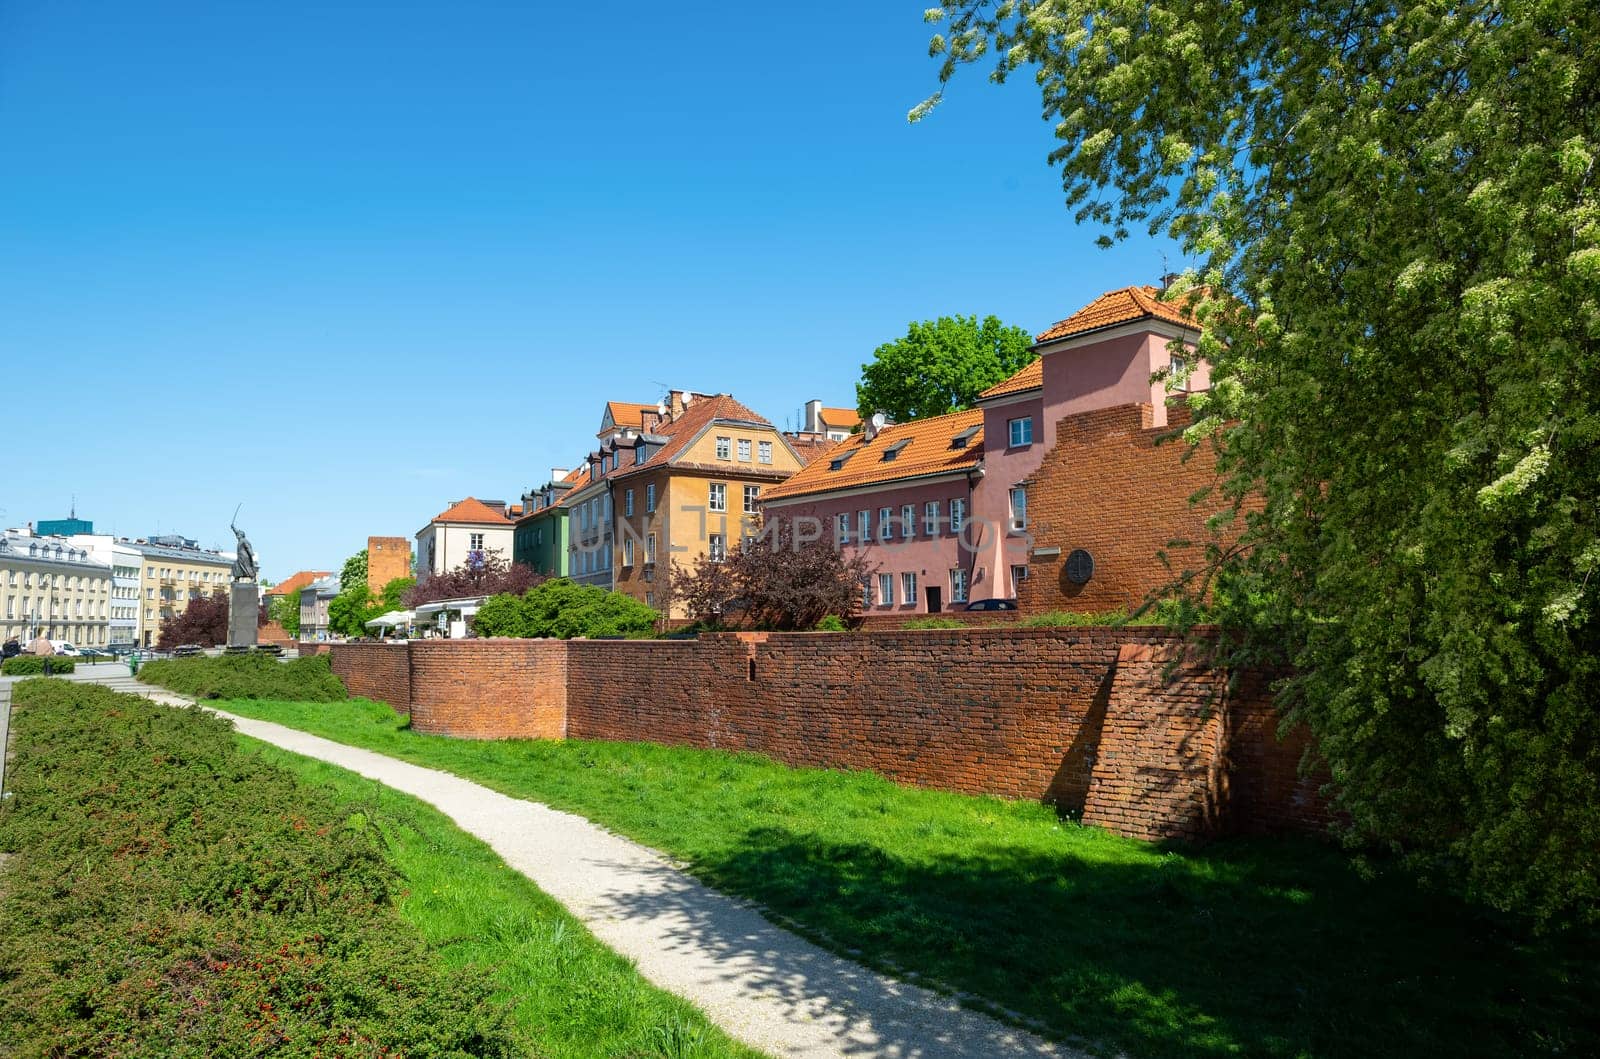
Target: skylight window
961	439
838	462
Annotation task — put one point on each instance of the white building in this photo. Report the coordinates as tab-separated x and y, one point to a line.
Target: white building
467	530
53	588
124	560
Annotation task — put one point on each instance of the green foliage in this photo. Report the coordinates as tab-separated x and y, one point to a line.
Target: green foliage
33	665
935	623
570	996
563	609
394	593
831	623
1244	947
1071	617
940	366
354	571
349	610
247	676
286	612
172	896
1397	220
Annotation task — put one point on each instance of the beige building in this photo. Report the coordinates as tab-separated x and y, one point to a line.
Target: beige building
53	588
172	572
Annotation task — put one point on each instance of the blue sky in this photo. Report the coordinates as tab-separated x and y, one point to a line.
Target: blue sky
345	263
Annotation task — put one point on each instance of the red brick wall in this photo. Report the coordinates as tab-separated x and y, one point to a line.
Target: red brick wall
388	558
377	671
489	689
1108	487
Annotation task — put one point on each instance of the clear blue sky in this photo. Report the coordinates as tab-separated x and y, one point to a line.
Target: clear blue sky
348	262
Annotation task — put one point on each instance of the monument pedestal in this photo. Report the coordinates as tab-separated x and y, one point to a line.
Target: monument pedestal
244	607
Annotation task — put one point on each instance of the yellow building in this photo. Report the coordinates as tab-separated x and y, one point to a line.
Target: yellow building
686	483
172	572
52	588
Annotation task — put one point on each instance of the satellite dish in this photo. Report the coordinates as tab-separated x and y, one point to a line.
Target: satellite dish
688	399
661	408
879	420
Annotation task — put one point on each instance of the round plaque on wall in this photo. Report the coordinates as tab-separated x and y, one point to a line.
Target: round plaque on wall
1080	566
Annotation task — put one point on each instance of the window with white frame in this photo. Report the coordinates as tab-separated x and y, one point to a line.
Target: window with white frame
719	547
1021	431
719	497
724	448
958	586
930	518
864	525
752	493
763	452
649	547
475	541
627	551
649	599
908	521
650	497
744	450
841	527
885	523
908	587
885	590
627	503
958	515
1019	508
1019	574
866	592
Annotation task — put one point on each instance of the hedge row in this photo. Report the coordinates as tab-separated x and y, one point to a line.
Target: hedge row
248	676
33	665
171	895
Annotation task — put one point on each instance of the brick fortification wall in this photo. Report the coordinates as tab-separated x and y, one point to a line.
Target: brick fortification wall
1086	718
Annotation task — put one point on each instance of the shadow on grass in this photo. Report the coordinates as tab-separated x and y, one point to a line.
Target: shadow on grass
1218	953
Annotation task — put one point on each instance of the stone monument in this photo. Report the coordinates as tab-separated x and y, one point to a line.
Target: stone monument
244	596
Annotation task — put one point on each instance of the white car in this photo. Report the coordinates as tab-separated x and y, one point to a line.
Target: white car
65	648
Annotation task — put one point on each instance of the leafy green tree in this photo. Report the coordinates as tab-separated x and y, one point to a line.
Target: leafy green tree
286	612
940	366
1395	212
350	610
354	571
561	608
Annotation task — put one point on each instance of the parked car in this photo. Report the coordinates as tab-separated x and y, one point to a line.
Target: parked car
93	654
992	604
64	648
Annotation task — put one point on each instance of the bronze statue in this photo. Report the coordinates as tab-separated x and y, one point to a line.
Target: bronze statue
244	564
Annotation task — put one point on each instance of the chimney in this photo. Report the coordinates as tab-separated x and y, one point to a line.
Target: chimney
497	505
650	420
813	424
676	403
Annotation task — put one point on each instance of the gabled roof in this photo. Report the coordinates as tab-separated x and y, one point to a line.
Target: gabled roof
809	448
295	582
471	510
1030	377
576	479
1122	307
841	418
627	413
922	447
688	425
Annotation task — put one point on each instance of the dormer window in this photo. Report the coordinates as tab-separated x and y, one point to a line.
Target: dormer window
894	450
838	462
960	440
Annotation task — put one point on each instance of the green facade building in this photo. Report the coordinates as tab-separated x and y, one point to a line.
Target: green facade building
539	540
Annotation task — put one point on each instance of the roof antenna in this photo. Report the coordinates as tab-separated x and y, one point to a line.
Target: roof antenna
1166	273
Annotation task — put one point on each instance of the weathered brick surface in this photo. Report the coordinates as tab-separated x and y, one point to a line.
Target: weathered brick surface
489	689
388	558
377	671
1081	717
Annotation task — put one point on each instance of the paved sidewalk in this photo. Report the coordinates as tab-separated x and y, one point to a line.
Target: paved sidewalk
761	984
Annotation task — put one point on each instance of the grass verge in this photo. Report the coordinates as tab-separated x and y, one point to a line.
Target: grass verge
570	997
1250	947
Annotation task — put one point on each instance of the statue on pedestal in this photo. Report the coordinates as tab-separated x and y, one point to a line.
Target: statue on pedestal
244	603
244	565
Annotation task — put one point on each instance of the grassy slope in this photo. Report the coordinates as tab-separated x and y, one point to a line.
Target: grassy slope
1251	947
572	997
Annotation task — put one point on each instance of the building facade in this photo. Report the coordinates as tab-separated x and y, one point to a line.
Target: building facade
126	563
540	540
466	530
173	571
53	588
314	600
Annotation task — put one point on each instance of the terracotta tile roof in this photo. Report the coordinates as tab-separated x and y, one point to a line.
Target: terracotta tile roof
1029	378
627	413
845	418
295	582
470	510
809	449
927	450
682	429
1121	307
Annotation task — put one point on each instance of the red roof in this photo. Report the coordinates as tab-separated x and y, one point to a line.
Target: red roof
628	413
683	428
471	510
1121	307
921	447
1030	377
295	582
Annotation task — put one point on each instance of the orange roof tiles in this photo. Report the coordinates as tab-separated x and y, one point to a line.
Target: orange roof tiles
841	417
810	448
681	430
927	451
627	413
296	581
1121	307
470	510
1030	377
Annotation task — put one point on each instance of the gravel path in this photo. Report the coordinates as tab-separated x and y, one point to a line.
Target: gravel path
761	984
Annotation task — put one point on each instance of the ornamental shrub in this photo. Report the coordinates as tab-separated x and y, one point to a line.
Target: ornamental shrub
248	676
33	665
831	623
562	609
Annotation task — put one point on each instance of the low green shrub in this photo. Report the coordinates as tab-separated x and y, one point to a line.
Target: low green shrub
831	623
33	665
935	623
1068	617
248	676
563	609
171	895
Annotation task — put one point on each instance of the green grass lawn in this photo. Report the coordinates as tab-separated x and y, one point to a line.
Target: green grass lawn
571	997
1254	947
